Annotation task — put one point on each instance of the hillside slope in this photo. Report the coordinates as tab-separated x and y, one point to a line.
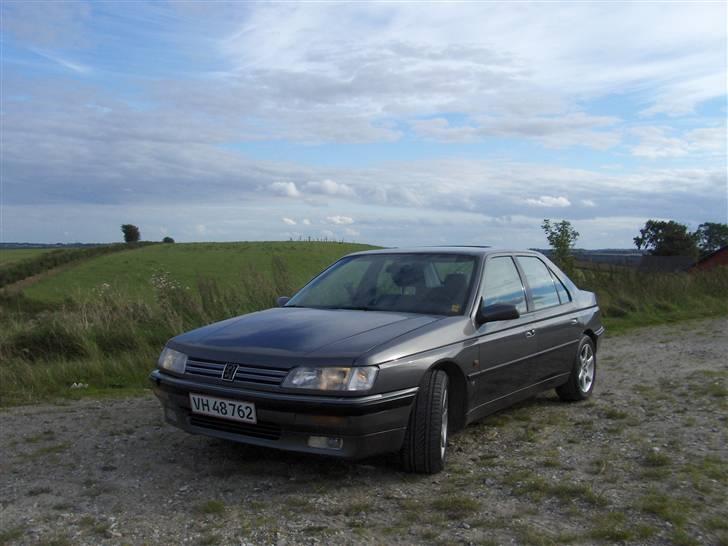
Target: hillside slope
130	272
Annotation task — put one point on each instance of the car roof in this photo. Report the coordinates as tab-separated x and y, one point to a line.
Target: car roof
463	249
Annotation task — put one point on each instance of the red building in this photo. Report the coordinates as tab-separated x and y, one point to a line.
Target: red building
714	259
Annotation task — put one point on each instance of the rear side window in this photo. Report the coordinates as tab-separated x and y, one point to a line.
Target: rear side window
561	289
503	284
540	282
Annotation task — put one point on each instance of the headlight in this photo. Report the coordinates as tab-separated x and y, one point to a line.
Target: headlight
172	360
332	378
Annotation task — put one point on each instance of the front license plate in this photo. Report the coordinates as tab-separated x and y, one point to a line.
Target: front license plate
225	409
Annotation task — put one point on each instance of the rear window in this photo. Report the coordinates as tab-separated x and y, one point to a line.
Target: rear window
540	282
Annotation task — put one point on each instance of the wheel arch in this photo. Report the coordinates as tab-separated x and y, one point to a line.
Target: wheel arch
589	332
458	393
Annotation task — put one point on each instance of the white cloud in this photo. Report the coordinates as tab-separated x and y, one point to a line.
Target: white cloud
351	232
329	187
662	142
306	222
548	201
588	203
339	220
289	221
286	189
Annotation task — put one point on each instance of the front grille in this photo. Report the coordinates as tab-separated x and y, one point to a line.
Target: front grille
260	430
244	374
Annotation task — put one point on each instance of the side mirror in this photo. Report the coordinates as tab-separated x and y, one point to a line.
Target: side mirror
495	312
283	300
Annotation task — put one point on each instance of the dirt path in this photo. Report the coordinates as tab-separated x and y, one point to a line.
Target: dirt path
643	462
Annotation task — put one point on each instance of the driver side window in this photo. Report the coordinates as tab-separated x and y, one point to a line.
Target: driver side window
502	284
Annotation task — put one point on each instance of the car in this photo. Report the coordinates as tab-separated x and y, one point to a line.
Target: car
386	352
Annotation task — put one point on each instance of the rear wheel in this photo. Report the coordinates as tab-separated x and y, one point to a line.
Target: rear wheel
581	381
425	443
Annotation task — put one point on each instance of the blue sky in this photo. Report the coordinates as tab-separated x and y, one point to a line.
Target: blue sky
386	123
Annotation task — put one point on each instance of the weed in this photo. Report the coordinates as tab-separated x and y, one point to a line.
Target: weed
9	535
456	506
211	507
612	527
358	507
655	458
674	510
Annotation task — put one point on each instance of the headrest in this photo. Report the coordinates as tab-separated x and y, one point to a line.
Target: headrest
455	283
407	274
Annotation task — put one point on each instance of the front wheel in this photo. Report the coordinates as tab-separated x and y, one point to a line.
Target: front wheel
425	442
583	375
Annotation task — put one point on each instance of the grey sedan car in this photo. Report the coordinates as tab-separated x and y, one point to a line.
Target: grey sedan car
386	351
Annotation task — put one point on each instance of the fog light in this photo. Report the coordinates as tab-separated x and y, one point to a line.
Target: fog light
325	442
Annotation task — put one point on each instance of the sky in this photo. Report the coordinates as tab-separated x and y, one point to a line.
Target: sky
386	123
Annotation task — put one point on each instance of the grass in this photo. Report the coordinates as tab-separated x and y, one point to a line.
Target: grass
108	337
10	535
613	527
12	255
630	298
211	507
128	273
456	506
102	320
674	510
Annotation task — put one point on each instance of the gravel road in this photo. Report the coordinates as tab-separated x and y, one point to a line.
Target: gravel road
644	462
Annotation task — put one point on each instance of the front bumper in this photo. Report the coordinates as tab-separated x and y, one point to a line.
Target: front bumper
369	425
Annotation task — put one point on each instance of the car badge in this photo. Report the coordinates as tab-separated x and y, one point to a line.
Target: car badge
228	374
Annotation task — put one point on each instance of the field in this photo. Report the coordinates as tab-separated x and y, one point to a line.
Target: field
130	272
100	319
8	256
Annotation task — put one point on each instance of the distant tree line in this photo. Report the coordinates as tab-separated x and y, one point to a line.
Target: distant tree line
132	234
658	238
670	238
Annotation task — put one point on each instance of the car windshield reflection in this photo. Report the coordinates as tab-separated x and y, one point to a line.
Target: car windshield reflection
437	284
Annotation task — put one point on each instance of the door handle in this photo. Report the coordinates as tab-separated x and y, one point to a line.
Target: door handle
574	322
530	333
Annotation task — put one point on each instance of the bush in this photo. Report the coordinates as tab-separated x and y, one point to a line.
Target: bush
45	340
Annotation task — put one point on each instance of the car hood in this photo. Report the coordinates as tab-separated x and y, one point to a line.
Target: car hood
286	337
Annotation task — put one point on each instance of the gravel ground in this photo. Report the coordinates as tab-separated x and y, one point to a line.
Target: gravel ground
644	461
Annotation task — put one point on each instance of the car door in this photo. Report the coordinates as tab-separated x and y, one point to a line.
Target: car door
504	347
554	322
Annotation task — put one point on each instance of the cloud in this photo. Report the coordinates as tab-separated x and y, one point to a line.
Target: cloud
547	201
663	142
575	129
286	189
329	187
588	203
306	222
339	220
289	221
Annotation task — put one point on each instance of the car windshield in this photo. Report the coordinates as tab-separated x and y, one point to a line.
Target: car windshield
409	283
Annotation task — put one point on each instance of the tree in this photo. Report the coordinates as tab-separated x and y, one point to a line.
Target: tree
168	240
711	236
562	237
670	238
131	233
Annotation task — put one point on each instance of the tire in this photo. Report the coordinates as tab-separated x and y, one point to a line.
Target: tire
583	375
425	443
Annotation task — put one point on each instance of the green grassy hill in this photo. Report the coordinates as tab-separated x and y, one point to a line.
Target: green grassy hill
130	272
